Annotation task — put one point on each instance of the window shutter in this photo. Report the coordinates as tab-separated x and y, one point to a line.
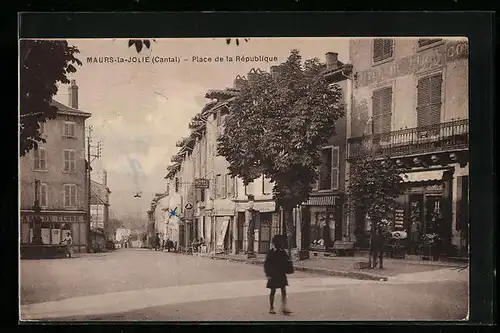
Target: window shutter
335	157
230	186
36	155
73	195
335	168
235	181
43	163
429	100
378	49
66	195
387	48
66	161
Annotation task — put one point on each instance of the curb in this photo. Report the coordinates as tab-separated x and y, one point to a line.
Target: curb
321	271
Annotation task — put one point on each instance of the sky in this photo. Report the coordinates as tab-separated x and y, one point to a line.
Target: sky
139	110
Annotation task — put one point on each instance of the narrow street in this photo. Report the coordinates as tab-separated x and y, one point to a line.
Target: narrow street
139	284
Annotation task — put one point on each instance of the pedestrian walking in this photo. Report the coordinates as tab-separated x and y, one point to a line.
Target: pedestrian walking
68	241
276	266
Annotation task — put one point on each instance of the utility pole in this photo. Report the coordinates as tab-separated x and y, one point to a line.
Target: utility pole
90	159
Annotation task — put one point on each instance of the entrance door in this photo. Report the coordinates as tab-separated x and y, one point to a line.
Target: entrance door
338	223
416	213
265	232
240	224
306	227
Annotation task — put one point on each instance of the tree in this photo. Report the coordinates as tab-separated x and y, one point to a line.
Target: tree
44	64
276	127
373	187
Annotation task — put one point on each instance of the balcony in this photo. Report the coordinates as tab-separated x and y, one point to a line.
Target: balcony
443	137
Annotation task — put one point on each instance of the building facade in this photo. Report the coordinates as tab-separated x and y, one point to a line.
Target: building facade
410	102
57	169
324	214
99	214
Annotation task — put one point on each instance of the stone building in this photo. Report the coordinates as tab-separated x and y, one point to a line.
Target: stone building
410	102
59	169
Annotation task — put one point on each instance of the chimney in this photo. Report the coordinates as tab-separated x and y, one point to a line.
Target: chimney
238	83
274	71
252	75
331	60
73	94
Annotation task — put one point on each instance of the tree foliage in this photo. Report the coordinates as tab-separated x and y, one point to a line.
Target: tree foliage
277	125
44	64
373	187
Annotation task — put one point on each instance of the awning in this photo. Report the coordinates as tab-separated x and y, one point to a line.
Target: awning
422	176
329	200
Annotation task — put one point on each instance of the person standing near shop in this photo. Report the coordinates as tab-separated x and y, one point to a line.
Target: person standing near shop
414	236
276	266
68	241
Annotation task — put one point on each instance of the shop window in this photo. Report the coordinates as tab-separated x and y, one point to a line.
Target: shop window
69	160
382	49
40	158
382	110
429	103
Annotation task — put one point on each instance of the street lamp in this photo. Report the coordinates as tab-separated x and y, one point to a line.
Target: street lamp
251	226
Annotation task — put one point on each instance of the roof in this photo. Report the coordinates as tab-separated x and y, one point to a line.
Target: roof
67	110
98	196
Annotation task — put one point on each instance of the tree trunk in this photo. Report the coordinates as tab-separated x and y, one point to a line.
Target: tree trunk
288	215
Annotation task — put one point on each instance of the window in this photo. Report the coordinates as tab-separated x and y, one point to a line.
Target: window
267	186
429	100
202	194
428	41
40	159
69	129
43	195
69	160
224	186
176	184
217	186
382	110
69	195
230	186
329	169
42	127
335	168
382	49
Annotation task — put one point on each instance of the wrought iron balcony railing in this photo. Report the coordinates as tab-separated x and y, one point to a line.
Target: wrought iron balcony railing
425	139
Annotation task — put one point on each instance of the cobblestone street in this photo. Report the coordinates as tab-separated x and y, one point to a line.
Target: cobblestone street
138	284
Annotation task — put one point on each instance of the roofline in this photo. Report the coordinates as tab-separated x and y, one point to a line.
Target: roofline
67	110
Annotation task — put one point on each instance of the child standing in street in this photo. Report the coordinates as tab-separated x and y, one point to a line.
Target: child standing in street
276	266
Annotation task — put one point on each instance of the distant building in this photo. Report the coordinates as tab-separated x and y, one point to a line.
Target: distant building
60	167
99	212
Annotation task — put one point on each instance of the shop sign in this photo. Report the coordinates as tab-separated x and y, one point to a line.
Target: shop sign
54	218
418	62
201	183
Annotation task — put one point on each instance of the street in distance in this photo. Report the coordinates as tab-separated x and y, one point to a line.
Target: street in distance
135	59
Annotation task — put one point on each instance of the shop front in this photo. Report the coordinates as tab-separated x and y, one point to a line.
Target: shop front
54	225
423	214
264	223
322	222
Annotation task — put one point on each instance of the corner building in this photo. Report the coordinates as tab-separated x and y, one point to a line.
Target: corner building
410	102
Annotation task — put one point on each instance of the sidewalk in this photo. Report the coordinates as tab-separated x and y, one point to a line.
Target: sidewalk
350	267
